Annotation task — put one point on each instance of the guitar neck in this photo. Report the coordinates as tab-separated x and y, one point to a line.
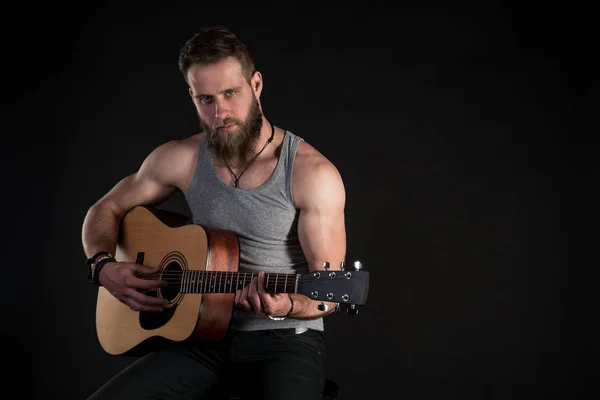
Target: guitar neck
230	282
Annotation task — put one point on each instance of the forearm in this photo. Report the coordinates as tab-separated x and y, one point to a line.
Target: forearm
100	230
305	308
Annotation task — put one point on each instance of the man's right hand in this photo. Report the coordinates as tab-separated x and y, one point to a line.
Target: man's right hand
120	279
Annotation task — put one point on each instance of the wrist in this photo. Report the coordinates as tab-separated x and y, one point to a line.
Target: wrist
96	263
96	257
289	314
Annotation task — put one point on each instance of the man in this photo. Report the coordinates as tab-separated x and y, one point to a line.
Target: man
283	199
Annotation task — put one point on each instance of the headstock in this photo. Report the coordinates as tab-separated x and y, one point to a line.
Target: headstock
349	287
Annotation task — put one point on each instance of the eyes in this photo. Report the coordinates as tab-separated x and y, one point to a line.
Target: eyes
208	99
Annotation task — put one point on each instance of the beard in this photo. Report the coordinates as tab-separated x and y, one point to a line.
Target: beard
240	143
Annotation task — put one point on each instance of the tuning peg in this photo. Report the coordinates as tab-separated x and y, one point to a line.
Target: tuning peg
326	265
337	308
322	306
352	310
342	266
357	265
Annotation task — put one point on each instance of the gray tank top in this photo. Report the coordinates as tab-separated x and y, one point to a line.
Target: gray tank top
265	220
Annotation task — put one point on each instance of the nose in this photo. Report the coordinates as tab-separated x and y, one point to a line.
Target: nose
221	111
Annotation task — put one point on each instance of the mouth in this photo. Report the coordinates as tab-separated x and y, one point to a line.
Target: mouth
227	127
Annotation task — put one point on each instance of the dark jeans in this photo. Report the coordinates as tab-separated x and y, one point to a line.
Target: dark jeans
273	364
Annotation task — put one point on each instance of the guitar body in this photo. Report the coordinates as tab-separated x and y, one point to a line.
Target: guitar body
159	238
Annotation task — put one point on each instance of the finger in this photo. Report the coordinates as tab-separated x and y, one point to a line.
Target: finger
145	269
238	295
145	299
254	297
145	284
134	305
260	283
146	272
244	303
265	297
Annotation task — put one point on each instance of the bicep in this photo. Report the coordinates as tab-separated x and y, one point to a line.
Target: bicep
321	224
150	185
133	190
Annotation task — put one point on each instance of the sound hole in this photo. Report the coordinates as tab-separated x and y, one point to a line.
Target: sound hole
172	274
153	320
174	264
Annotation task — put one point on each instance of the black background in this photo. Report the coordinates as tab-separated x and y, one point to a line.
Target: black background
449	126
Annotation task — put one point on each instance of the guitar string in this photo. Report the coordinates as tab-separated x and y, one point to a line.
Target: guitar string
176	277
221	274
200	272
247	280
223	277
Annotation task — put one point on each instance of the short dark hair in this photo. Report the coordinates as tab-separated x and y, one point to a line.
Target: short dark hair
213	44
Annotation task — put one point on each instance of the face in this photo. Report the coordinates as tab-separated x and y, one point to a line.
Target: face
228	108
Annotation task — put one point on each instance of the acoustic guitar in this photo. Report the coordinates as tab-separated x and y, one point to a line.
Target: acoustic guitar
201	267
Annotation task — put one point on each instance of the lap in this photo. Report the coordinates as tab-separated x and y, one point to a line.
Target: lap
281	365
180	372
254	365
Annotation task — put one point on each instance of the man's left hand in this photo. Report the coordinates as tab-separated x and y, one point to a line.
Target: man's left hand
256	299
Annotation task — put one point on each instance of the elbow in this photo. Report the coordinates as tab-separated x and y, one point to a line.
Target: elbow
105	208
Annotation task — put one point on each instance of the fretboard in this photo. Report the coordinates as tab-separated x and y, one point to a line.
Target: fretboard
231	282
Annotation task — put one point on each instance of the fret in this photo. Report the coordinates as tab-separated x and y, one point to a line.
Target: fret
199	281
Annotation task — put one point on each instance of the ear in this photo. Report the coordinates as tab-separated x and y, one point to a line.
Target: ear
257	83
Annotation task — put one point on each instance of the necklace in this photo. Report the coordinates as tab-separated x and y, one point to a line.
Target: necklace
237	177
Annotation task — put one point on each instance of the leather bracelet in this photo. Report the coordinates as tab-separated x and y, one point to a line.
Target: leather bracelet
92	259
287	315
96	268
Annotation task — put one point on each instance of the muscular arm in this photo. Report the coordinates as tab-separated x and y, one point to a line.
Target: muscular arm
158	177
320	195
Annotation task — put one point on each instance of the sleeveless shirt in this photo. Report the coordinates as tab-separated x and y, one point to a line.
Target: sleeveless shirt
264	219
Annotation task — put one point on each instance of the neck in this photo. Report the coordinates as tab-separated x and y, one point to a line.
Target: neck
267	133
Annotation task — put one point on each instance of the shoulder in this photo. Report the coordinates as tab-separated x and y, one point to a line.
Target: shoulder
177	147
315	178
175	151
174	160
